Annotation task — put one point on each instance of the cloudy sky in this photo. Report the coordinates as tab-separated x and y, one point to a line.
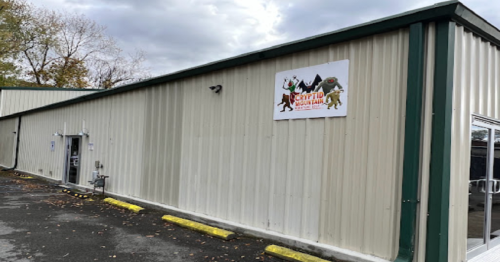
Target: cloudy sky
178	34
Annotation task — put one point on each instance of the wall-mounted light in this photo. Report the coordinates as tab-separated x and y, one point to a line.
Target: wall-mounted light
216	88
84	132
57	133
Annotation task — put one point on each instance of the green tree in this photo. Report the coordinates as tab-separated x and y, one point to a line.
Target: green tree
67	72
37	41
11	14
479	135
40	47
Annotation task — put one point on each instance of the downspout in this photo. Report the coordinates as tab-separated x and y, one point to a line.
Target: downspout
411	162
17	145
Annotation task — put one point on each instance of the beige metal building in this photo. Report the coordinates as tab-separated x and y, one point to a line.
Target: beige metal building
392	179
18	99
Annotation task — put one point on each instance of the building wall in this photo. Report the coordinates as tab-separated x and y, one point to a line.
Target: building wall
336	181
162	143
14	101
331	180
115	126
476	90
427	113
8	141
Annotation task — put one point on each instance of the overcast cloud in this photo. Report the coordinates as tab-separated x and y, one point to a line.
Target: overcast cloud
178	34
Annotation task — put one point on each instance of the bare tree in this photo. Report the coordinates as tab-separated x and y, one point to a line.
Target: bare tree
70	50
37	39
115	69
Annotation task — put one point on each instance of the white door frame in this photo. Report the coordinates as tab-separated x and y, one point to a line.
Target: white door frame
67	157
492	125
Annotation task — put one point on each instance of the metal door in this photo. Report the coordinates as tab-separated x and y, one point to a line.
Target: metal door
72	160
483	230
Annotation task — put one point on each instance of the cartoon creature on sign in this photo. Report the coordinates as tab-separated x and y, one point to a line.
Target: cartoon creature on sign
291	87
312	92
334	98
285	101
328	84
288	100
309	88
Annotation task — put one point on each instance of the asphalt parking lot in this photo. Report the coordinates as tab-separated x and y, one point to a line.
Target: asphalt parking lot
40	223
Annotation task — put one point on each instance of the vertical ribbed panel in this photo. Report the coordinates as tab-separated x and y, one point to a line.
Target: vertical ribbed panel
126	131
421	230
115	125
14	101
162	141
331	180
476	90
336	181
8	130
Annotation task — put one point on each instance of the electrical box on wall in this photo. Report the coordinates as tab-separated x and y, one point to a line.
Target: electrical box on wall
98	164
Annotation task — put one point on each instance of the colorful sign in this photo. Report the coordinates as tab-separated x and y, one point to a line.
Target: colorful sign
311	92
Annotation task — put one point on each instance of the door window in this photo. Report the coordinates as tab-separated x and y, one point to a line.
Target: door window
495	199
477	187
483	228
73	160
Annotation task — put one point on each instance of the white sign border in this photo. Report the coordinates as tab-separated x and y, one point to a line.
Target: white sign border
338	69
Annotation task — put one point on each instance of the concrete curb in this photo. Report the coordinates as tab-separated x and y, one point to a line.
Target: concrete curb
213	231
23	176
324	250
291	255
118	203
75	194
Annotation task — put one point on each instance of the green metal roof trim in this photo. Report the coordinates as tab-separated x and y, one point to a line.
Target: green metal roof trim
453	10
50	89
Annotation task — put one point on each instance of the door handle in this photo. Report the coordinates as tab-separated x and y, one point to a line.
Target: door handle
481	184
495	187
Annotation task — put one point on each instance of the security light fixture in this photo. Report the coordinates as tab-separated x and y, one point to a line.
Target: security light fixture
216	88
84	132
57	133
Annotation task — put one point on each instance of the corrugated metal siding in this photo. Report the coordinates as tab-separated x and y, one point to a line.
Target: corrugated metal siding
14	101
162	143
115	125
7	141
334	180
476	90
426	144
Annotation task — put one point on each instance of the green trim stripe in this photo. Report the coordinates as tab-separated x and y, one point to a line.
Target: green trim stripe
411	162
431	13
439	182
450	10
476	24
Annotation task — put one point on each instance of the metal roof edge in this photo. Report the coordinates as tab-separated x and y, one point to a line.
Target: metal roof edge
435	12
478	25
439	11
